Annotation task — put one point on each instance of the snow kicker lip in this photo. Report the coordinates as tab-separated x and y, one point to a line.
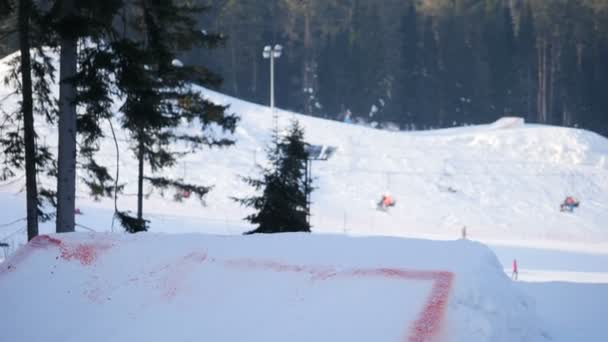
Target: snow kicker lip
425	328
85	253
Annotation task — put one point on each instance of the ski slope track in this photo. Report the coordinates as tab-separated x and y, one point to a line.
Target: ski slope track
294	287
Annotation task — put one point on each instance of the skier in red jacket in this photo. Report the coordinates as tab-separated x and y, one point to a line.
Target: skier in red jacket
514	274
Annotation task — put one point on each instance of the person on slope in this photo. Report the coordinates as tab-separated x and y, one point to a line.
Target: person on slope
569	204
515	272
386	201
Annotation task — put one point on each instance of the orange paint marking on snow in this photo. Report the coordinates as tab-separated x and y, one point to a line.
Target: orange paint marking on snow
424	329
86	253
39	242
429	322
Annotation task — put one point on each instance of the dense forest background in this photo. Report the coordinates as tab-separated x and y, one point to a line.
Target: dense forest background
418	64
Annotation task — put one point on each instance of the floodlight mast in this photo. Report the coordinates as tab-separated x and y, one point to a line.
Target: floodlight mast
272	53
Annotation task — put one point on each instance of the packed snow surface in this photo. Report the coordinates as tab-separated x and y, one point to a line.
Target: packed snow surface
293	287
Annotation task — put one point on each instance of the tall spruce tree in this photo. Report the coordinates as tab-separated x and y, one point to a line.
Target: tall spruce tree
30	75
333	80
526	65
430	86
405	103
66	155
7	27
27	105
367	54
160	94
499	40
83	84
282	206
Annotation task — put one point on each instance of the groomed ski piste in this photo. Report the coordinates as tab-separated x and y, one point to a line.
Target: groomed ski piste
362	275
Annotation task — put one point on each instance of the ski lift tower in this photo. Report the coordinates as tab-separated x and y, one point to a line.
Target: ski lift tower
315	152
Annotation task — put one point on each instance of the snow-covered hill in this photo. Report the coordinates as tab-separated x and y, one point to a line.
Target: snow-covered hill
504	181
294	287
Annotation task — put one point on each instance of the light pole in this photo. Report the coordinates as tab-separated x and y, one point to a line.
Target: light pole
272	53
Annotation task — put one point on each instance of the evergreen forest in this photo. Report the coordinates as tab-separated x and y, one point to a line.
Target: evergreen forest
419	64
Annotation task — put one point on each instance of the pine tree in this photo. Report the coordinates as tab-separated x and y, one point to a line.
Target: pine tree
89	86
30	75
27	104
430	86
370	80
7	27
66	155
499	40
405	101
160	94
282	206
526	65
333	77
73	22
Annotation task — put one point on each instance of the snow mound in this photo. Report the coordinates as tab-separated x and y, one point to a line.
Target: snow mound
507	122
291	287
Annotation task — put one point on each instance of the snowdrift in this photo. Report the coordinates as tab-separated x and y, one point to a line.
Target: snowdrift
292	287
508	122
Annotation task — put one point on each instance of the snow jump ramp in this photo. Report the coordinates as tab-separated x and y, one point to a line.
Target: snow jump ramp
507	122
289	287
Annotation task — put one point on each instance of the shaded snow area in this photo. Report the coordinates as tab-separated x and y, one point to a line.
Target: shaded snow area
296	287
504	181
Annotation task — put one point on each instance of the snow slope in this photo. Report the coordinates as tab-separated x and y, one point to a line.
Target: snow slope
292	287
571	311
503	181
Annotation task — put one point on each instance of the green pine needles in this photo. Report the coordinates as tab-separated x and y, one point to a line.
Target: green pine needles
282	205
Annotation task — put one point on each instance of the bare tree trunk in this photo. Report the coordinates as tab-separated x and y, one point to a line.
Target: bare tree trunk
254	76
565	115
25	7
542	81
140	182
544	92
66	178
234	70
529	95
539	81
552	70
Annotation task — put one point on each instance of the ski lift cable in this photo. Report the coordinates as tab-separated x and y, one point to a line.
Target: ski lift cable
9	236
85	227
12	222
13	181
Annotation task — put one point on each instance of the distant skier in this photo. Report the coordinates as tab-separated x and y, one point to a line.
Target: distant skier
386	202
464	232
569	204
515	273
